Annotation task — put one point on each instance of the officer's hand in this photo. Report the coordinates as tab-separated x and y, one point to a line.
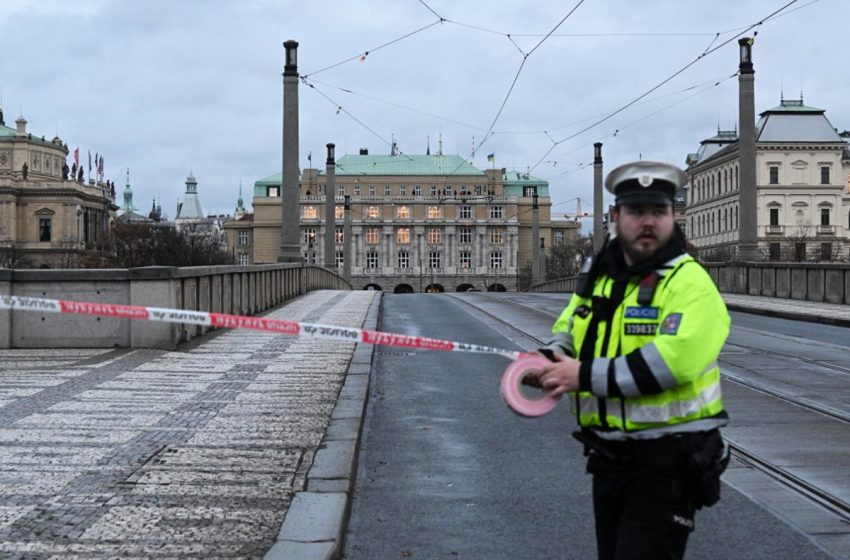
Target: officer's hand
560	377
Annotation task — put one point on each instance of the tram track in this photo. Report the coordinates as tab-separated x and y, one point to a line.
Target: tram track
826	500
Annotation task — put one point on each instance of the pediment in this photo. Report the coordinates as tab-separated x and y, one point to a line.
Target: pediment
44	212
800	163
800	204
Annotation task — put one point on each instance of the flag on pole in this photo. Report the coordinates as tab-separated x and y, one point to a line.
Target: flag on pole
77	156
491	156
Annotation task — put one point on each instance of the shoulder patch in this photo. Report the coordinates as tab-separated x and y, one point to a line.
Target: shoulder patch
671	323
641	312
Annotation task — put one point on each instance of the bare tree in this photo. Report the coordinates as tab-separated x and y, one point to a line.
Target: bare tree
12	256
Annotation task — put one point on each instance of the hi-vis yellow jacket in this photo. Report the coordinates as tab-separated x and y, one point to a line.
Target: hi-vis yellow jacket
653	369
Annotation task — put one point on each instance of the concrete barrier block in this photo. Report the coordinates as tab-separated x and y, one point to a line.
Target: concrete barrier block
814	284
783	282
154	288
768	282
799	283
5	316
834	285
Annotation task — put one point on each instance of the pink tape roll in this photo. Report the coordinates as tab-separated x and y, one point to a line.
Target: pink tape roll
512	391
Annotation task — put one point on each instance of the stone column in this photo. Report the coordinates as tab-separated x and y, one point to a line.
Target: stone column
346	240
748	211
290	192
598	233
330	211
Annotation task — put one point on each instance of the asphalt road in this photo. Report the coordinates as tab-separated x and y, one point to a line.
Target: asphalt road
447	471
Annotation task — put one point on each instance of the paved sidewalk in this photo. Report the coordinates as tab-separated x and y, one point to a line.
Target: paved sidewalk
195	453
801	310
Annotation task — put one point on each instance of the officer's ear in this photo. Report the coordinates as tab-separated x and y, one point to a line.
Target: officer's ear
615	214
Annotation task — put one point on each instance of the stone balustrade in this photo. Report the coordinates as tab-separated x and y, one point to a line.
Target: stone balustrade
238	290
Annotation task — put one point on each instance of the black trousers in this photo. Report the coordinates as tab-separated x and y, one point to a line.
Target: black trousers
643	500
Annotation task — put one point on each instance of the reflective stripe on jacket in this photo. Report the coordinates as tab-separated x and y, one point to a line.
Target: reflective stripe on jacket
658	371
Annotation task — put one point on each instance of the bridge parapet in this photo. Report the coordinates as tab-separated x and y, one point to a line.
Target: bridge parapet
238	290
819	282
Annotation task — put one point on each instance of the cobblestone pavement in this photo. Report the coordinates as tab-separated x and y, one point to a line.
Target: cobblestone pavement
155	454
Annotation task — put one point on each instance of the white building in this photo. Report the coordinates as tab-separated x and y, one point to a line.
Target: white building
802	166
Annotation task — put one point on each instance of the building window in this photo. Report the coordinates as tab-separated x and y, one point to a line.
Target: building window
826	251
529	191
464	259
356	190
495	212
479	190
339	212
371	259
433	190
559	238
402	212
402	190
339	235
824	216
243	236
310	213
417	191
272	191
373	235
403	259
387	190
371	190
434	259
774	175
340	259
309	235
824	175
340	190
497	236
496	259
774	216
465	212
403	236
434	212
243	259
372	212
435	235
774	251
464	235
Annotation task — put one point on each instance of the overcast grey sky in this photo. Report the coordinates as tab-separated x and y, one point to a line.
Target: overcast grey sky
166	87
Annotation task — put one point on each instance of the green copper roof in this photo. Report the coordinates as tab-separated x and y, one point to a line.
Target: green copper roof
793	106
515	181
403	164
6	131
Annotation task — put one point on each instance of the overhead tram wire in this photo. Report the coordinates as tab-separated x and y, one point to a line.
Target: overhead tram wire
488	134
676	73
411	109
379	47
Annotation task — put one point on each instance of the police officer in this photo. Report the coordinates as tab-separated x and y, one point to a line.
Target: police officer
637	350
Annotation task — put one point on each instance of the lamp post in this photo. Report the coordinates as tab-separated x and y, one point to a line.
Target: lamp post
598	228
346	240
330	210
535	239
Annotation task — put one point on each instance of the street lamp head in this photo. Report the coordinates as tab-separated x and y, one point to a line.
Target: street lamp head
331	158
745	48
290	66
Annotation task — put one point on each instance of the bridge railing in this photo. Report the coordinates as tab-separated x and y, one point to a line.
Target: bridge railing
238	290
820	282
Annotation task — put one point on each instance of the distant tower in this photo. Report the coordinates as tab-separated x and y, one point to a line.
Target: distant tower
128	196
240	204
191	208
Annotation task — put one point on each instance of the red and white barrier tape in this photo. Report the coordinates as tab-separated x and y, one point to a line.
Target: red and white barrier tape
521	365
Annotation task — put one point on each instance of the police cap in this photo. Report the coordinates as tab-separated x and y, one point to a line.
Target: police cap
645	182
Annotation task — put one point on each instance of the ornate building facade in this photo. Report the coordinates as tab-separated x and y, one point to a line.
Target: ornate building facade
47	219
418	222
803	193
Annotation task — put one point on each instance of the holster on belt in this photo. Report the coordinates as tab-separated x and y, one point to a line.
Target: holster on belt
707	461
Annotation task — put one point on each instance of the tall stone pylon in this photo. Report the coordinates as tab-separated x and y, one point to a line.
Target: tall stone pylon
747	189
290	192
598	233
330	211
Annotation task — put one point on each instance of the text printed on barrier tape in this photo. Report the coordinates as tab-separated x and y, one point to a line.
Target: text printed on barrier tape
223	320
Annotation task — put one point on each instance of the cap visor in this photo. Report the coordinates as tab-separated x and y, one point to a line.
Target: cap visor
645	198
